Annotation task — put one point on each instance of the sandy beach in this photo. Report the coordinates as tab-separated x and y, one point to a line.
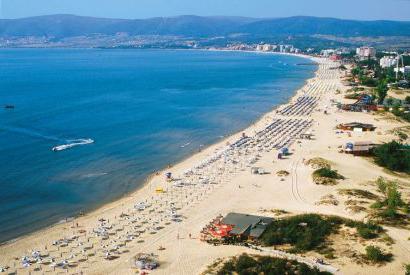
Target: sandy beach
165	217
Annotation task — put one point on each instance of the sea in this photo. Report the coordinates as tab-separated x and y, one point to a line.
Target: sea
90	125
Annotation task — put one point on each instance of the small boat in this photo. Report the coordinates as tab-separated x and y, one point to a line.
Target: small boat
58	148
9	107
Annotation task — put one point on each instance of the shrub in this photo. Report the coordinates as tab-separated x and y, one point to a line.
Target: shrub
388	208
309	231
366	233
254	265
327	173
304	232
365	230
394	156
407	269
376	255
389	212
244	262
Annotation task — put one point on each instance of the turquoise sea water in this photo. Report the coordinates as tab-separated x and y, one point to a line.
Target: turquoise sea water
143	109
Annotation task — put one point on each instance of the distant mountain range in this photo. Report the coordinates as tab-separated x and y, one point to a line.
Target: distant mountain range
63	26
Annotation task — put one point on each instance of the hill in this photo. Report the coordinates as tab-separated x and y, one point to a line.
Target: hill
63	26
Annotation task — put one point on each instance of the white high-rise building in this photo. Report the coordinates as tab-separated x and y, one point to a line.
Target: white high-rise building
327	53
259	48
404	70
265	47
366	52
388	61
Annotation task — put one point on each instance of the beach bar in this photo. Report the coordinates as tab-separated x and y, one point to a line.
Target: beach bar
246	226
356	127
358	148
235	226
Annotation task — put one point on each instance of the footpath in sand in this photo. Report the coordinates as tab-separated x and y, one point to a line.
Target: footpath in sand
217	181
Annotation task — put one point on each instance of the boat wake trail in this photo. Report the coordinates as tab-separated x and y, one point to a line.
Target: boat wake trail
66	143
29	132
72	143
185	145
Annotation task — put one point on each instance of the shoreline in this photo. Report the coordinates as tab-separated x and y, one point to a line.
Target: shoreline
147	180
232	188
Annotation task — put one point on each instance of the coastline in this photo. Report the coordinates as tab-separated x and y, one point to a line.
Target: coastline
177	245
198	154
150	183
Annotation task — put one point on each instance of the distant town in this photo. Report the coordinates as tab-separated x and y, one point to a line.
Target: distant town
397	62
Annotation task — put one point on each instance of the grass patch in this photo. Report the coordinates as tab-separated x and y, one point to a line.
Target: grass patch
358	193
255	265
282	173
328	200
317	163
356	208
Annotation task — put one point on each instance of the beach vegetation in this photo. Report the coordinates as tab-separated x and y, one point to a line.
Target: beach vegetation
283	173
367	230
407	269
375	255
368	81
358	193
401	113
353	96
402	136
401	132
310	231
255	264
317	163
326	176
381	91
328	173
390	208
394	156
328	200
366	233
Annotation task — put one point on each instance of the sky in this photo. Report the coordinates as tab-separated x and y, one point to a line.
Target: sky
348	9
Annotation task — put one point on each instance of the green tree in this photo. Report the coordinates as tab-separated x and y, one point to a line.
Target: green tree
357	71
381	91
394	156
381	185
394	197
389	101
